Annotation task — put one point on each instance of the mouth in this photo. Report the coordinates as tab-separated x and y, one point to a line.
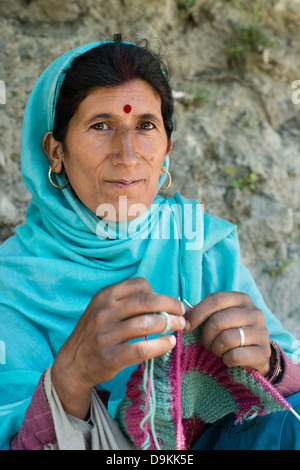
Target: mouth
125	184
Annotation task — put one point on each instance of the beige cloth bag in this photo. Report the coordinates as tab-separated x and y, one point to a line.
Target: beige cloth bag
100	433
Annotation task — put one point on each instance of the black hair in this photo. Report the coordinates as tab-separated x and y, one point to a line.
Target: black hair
110	65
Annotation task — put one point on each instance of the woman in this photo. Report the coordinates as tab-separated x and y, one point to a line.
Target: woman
91	265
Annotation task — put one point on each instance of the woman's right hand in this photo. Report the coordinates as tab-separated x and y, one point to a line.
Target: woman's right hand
98	347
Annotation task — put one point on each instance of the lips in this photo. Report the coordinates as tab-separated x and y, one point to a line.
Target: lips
125	183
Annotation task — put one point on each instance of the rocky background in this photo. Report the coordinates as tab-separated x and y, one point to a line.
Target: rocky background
237	139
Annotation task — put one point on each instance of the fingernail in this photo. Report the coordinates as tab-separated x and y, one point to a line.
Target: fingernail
182	321
188	325
172	339
183	308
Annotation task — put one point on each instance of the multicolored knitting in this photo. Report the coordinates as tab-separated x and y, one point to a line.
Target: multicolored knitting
170	400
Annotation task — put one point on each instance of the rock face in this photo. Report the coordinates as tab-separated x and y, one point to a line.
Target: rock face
237	139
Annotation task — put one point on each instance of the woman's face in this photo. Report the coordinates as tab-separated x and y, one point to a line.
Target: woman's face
115	146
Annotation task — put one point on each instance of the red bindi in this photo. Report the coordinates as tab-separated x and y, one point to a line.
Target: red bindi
127	108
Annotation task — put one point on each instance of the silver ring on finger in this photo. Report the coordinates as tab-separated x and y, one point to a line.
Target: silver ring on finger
167	328
242	336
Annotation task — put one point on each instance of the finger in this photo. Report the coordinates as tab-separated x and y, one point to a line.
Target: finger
130	287
250	356
146	325
214	303
231	338
231	318
149	302
134	353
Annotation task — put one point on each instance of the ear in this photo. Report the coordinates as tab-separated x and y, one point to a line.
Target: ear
168	151
170	146
54	151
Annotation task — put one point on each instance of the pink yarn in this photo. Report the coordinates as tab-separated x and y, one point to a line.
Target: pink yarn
180	440
259	378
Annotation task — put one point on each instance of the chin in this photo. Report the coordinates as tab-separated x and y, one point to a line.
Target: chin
121	210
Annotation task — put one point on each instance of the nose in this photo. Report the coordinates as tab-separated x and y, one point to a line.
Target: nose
125	147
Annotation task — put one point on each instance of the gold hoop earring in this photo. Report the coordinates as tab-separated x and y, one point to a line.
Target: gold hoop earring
55	185
169	183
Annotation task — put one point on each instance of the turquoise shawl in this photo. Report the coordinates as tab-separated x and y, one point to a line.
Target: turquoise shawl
58	260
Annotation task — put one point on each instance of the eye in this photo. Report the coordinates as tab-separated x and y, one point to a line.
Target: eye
147	125
100	126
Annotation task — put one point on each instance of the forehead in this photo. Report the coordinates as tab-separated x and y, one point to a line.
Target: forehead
136	95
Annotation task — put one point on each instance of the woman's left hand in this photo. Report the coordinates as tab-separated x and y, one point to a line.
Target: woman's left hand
222	314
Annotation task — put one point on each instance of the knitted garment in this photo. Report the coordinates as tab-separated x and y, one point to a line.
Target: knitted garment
170	399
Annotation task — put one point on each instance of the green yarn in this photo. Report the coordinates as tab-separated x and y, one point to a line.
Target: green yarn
215	401
146	443
151	403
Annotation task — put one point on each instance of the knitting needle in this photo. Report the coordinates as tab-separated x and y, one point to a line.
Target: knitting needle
188	304
295	413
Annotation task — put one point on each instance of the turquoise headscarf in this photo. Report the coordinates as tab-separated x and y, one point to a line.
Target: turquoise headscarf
58	260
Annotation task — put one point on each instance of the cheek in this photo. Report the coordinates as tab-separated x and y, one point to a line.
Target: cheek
80	158
155	174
